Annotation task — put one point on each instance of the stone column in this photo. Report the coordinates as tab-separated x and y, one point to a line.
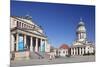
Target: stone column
25	42
41	44
71	51
12	42
45	45
31	44
78	35
36	47
76	51
80	51
17	36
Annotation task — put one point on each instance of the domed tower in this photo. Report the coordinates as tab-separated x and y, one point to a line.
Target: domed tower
81	31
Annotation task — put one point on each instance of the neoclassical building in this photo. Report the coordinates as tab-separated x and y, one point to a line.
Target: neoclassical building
81	46
25	36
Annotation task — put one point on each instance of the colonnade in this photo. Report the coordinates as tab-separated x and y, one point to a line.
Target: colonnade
78	51
38	45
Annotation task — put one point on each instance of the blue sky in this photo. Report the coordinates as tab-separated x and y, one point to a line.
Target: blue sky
59	21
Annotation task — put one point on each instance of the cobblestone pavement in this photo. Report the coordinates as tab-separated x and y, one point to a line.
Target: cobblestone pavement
72	59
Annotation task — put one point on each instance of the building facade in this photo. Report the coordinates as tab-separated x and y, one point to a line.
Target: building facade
26	35
81	45
62	51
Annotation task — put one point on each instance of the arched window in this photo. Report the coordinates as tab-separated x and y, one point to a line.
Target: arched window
59	52
17	23
22	25
63	51
66	52
26	26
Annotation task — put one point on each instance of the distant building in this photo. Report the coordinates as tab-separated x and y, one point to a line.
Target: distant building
81	45
26	36
62	51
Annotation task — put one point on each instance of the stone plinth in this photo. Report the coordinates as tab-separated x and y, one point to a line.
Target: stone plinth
22	55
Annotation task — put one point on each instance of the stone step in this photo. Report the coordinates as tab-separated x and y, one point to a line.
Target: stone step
38	55
45	55
33	55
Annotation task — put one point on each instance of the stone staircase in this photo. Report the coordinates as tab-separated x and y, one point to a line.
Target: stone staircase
45	55
38	55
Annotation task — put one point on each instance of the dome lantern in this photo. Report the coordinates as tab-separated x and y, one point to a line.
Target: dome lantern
81	26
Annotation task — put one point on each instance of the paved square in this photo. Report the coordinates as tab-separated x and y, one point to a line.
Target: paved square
72	59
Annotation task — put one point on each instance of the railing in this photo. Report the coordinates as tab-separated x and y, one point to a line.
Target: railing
39	55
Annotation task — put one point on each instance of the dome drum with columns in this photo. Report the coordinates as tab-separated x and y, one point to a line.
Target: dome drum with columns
81	31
